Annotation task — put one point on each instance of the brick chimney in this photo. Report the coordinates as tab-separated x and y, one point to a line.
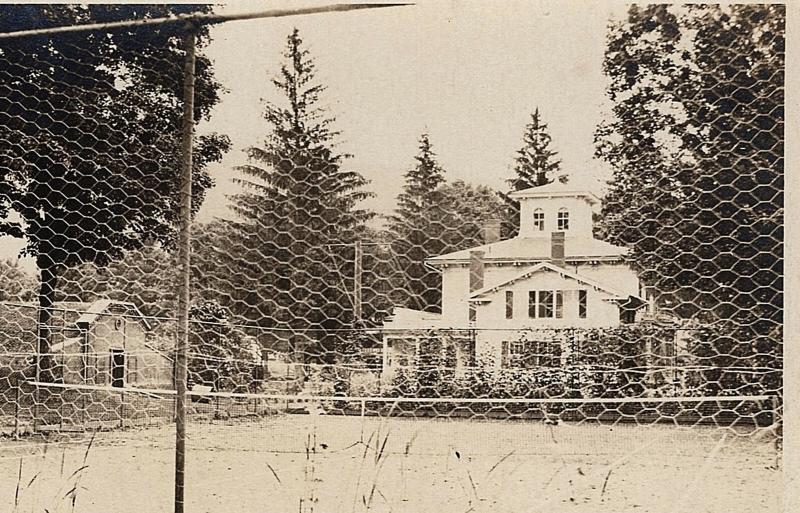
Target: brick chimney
475	270
557	249
491	231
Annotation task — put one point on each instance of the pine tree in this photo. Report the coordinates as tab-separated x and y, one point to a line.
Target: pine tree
432	218
416	232
297	200
536	165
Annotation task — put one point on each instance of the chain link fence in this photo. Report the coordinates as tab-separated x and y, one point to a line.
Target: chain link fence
493	349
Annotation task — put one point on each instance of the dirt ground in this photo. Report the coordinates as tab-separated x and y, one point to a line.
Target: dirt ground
306	463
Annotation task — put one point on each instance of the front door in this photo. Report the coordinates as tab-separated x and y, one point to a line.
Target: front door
117	368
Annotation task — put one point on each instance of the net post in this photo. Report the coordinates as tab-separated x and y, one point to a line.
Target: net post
187	136
16	408
775	407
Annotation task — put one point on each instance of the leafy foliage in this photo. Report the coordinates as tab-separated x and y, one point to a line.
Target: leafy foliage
95	173
220	356
696	145
15	283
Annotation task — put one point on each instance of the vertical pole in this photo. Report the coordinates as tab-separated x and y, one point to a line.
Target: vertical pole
357	315
184	259
16	409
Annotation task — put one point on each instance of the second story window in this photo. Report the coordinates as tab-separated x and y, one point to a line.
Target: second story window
546	304
563	219
509	304
582	303
538	220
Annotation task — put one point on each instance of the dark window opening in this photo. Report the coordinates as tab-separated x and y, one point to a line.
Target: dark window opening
582	296
563	219
117	368
532	304
559	304
538	220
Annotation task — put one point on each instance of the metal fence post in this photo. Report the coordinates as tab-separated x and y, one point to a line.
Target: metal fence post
16	409
184	259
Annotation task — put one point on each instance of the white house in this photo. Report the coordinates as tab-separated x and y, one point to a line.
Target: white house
554	274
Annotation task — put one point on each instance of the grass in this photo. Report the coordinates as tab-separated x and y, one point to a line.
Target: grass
348	464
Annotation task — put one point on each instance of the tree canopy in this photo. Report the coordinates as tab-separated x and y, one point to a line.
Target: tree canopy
433	217
696	147
90	124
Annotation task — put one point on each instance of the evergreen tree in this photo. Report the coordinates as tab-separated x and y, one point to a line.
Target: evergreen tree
433	218
297	201
536	165
416	232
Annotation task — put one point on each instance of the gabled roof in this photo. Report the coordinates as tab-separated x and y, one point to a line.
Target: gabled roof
547	266
98	307
555	190
534	249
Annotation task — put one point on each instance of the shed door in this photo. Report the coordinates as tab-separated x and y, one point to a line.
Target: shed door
117	368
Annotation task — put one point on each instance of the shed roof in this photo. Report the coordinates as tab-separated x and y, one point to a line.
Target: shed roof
18	321
97	308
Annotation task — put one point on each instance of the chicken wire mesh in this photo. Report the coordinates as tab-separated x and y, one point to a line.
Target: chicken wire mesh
545	323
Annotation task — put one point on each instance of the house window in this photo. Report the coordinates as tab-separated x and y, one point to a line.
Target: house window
538	220
531	354
473	314
559	304
545	304
509	304
563	219
582	304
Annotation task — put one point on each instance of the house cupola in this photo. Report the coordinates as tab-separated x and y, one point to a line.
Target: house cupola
555	207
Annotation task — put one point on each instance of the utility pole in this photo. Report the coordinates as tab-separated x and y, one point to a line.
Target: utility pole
358	278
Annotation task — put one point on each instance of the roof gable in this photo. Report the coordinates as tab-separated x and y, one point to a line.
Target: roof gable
100	306
545	267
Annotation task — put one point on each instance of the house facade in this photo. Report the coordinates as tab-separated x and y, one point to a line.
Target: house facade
515	296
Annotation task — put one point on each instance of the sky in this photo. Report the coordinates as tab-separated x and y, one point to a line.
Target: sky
469	73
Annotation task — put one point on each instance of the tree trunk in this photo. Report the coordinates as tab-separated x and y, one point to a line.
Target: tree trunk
47	292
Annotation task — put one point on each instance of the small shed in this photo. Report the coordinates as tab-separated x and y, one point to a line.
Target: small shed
104	342
107	345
